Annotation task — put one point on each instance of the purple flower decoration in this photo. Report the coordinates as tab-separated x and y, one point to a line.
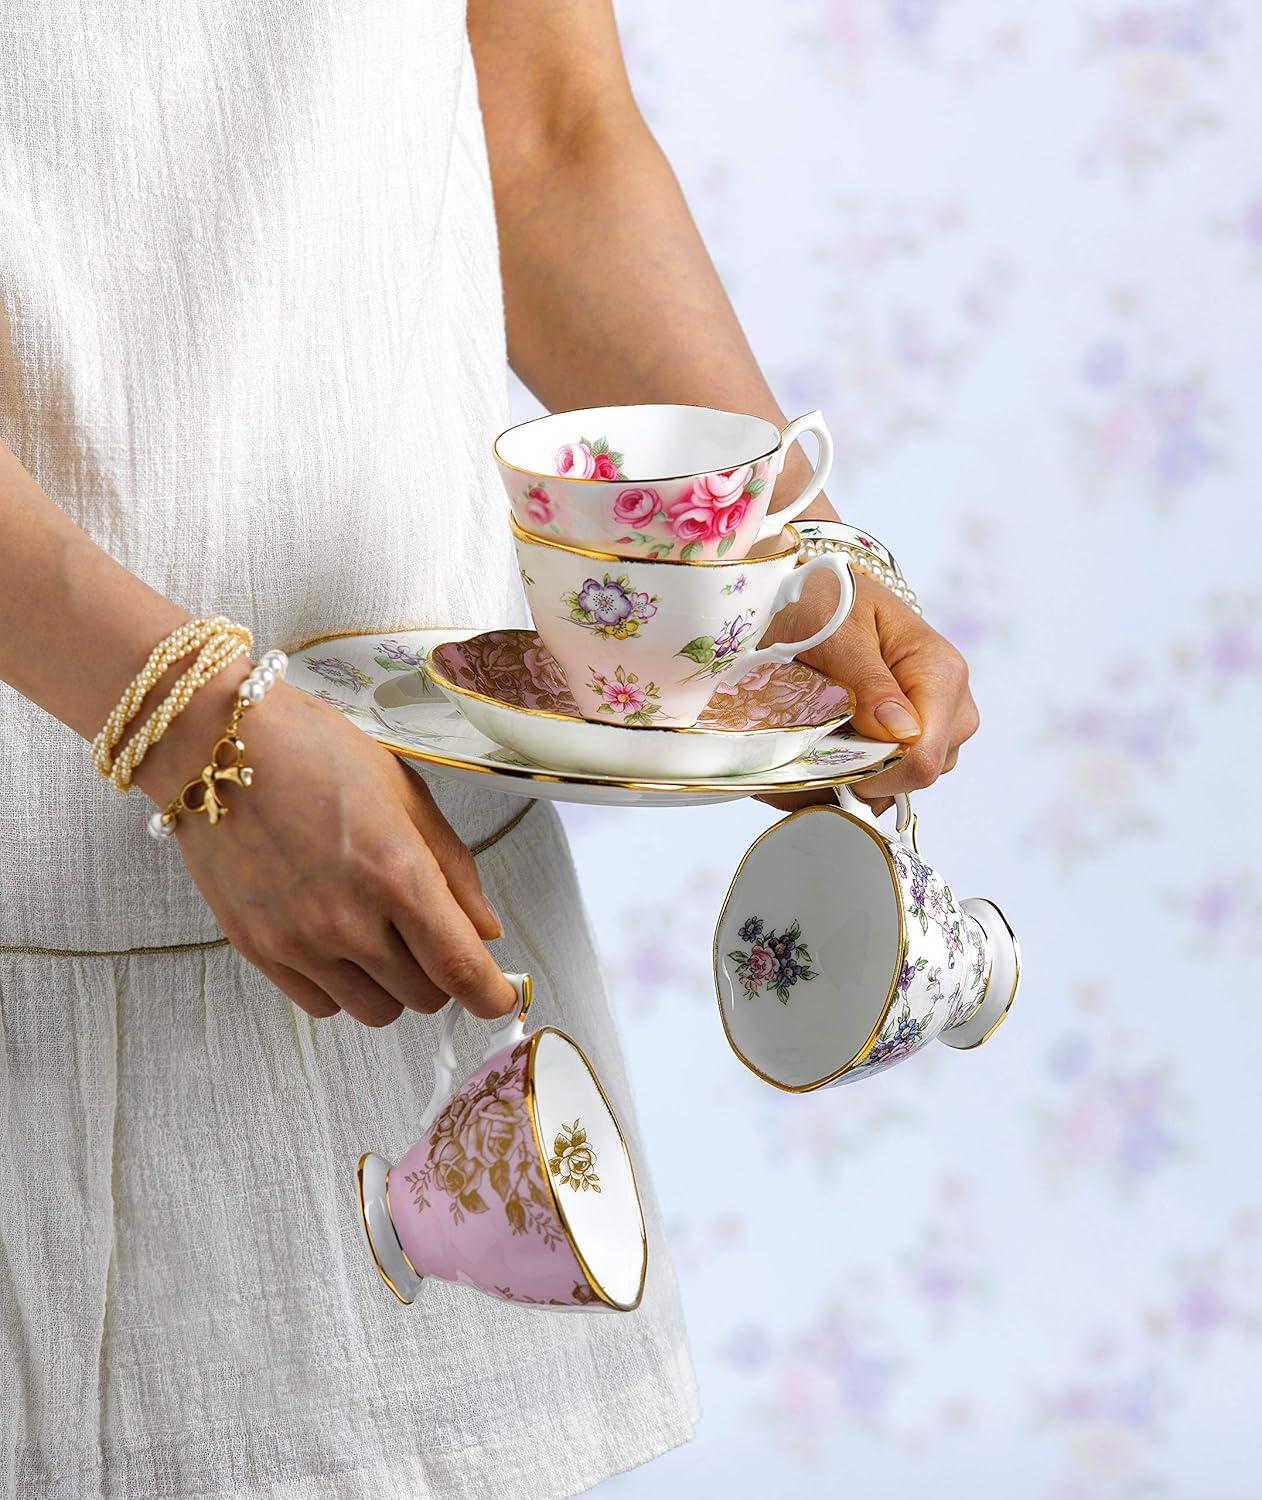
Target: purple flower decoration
606	602
751	931
728	641
906	977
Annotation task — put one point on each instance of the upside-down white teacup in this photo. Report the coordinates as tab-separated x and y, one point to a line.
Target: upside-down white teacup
839	951
647	641
655	481
521	1184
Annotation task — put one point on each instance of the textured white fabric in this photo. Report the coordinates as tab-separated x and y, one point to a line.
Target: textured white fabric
251	339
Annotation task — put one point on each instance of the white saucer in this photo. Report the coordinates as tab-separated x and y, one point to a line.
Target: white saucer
376	682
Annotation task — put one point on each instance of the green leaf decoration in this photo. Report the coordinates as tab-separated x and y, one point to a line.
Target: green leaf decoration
725	546
601	445
690	551
755	487
617	457
661	549
700	649
739	959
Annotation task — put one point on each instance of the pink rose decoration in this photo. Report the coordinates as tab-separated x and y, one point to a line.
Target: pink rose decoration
721	489
762	964
730	517
691	522
605	468
575	461
540	506
636	507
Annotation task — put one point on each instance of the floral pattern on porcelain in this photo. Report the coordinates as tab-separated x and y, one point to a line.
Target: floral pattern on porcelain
943	976
481	1154
624	696
774	962
573	1162
931	901
609	607
714	652
705	515
343	673
589	460
515	667
396	657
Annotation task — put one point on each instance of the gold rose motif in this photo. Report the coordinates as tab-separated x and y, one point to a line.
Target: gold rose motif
574	1161
481	1149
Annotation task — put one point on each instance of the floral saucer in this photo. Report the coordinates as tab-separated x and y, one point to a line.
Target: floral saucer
374	680
509	685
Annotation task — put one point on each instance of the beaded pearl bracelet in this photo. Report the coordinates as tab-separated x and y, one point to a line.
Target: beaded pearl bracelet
190	636
864	553
227	757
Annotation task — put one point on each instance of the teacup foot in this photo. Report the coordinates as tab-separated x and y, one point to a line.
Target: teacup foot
1005	975
379	1231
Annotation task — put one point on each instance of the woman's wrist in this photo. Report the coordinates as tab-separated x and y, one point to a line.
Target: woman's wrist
184	748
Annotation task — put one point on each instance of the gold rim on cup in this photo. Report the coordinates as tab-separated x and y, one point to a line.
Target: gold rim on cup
659	562
654	479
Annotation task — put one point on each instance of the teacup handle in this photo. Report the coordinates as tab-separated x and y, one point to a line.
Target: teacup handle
507	1031
906	822
814	422
789	592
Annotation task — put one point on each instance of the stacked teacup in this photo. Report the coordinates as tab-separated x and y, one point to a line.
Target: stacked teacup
650	560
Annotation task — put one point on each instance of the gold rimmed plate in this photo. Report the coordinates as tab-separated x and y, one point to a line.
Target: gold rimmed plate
378	681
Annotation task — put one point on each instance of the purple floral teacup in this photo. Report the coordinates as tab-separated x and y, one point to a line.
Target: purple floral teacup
646	642
839	951
521	1185
655	481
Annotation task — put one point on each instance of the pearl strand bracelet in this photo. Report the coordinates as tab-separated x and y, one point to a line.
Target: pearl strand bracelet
179	643
864	552
271	668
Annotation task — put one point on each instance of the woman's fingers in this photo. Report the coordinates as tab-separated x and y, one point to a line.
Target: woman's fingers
304	992
442	940
458	866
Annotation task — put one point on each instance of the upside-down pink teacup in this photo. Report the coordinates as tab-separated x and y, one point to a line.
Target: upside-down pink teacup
521	1184
646	642
655	481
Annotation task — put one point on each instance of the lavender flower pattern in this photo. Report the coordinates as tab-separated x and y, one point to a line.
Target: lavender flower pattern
609	607
714	652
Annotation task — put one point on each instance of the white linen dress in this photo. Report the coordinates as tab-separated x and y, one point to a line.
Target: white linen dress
251	339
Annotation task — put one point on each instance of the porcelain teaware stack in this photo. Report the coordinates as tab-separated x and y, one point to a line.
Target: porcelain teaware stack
838	950
649	595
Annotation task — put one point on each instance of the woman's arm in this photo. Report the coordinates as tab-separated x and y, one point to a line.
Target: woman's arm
612	298
334	873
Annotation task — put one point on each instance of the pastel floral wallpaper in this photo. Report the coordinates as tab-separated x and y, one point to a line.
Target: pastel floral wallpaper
1015	254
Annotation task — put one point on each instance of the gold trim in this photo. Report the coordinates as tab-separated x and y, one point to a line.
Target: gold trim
363	1214
1016	979
637	406
346	635
543	713
475	849
578	778
863	1052
527	995
390	1214
557	1202
522	535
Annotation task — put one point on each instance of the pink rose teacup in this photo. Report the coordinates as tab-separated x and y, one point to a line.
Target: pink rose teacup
521	1185
646	642
655	481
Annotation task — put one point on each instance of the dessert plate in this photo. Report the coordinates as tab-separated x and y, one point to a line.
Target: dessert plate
510	686
376	681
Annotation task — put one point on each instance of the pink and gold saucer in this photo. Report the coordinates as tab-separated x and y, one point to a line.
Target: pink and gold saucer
508	685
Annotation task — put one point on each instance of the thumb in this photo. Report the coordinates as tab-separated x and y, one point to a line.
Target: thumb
882	710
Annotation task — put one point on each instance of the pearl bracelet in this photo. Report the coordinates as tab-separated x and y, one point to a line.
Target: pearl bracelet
271	667
864	553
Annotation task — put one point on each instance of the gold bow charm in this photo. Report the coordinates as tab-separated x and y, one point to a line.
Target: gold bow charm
234	770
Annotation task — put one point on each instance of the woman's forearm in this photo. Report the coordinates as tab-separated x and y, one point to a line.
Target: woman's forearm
611	295
75	625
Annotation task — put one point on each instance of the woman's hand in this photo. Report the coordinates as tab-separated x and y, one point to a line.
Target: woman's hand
334	872
910	683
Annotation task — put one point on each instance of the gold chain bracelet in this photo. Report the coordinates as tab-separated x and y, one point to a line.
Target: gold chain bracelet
227	757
